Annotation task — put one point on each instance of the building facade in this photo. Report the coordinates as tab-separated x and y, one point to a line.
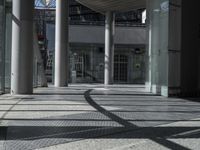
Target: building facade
87	53
86	38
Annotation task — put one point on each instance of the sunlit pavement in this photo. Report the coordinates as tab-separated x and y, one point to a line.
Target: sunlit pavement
94	117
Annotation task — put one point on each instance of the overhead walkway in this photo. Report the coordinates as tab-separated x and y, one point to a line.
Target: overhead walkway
104	6
92	117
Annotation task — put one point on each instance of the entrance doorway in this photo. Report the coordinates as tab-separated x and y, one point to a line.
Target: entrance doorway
79	65
120	68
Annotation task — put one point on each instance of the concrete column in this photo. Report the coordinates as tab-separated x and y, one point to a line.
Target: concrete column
171	58
190	39
109	48
61	44
22	47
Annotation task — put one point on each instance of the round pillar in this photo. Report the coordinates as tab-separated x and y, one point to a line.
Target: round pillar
109	48
61	44
22	47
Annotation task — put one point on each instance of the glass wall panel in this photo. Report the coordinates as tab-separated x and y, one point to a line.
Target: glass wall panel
163	34
8	48
158	15
5	48
2	37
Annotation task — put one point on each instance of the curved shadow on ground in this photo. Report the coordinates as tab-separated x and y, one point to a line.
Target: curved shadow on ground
129	127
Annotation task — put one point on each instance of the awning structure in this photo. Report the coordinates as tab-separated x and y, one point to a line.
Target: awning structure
113	5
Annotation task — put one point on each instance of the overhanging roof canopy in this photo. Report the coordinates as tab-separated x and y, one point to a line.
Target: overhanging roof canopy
113	5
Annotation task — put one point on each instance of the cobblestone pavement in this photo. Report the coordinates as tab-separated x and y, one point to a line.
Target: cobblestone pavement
94	117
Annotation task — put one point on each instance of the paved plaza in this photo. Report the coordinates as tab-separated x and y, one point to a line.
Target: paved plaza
94	117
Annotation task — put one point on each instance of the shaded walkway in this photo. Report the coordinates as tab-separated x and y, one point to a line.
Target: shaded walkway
92	117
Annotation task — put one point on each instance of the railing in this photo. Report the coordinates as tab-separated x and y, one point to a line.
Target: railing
102	23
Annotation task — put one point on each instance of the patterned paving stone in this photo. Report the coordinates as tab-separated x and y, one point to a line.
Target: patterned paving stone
97	117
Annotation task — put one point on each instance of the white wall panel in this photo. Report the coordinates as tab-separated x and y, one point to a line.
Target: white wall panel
96	35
